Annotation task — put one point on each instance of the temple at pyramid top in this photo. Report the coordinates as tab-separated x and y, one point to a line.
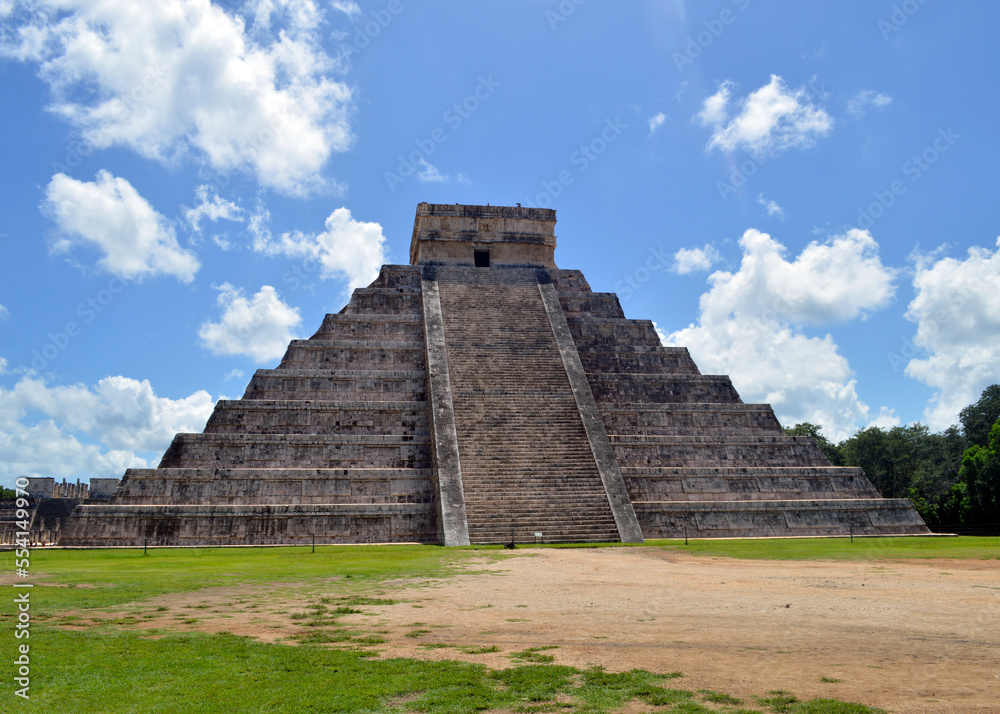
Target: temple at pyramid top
483	236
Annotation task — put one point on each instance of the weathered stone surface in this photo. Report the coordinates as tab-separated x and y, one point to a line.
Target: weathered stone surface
481	394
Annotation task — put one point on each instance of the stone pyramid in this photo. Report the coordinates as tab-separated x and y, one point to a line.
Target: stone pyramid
479	395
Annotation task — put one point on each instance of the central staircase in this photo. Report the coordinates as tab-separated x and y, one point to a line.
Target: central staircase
527	465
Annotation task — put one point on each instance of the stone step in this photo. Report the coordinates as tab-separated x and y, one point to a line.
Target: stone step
717	451
637	363
570	281
603	305
747	483
287	524
397	276
275	486
622	388
384	300
601	331
343	384
691	418
340	354
740	519
312	451
318	417
372	326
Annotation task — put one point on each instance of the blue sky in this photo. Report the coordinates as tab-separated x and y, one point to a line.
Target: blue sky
804	194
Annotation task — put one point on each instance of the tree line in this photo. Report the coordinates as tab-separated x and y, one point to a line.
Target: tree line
952	477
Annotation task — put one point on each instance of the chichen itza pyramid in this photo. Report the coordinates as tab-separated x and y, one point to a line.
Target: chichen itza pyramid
477	395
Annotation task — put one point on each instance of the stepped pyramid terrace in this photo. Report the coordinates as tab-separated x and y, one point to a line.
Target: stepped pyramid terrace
478	395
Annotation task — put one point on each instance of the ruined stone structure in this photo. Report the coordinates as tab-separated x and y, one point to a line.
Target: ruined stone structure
477	395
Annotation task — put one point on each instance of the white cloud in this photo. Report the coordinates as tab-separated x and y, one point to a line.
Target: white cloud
234	374
858	104
41	427
771	207
690	260
885	419
834	281
768	121
750	326
259	327
110	215
348	7
656	122
177	78
958	324
223	242
349	248
4	313
3	365
430	174
211	206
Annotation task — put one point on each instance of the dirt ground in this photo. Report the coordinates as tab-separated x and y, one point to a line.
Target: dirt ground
907	636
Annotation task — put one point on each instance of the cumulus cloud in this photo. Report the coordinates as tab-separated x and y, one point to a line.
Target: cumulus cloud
259	327
958	325
865	99
656	122
45	430
110	215
180	78
347	248
833	281
751	320
767	121
213	207
771	207
691	260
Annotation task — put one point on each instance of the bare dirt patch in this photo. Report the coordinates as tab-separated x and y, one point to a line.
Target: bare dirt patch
908	636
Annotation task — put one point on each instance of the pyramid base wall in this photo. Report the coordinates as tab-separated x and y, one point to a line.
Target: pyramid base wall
121	525
779	519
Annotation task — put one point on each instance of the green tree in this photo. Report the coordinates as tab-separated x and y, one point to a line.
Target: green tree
938	460
831	450
977	419
890	458
978	493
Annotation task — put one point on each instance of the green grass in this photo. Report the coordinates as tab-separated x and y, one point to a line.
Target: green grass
108	671
916	547
532	654
863	548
